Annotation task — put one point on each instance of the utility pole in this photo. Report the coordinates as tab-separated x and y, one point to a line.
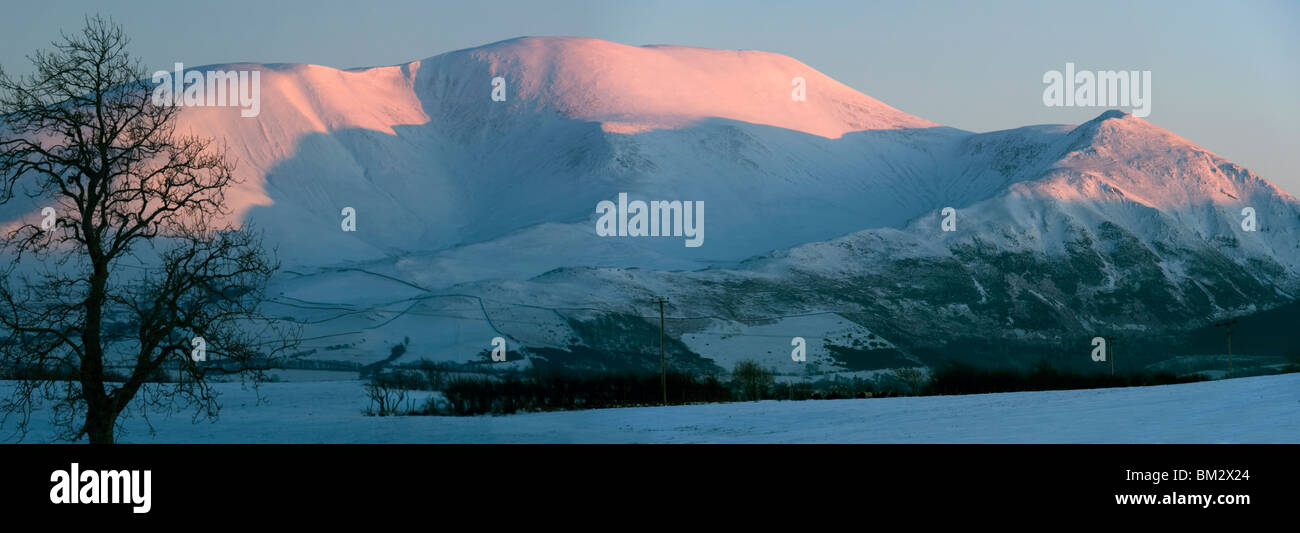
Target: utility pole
1227	326
663	360
1110	352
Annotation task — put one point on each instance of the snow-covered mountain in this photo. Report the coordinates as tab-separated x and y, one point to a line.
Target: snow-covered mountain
1034	267
430	161
476	218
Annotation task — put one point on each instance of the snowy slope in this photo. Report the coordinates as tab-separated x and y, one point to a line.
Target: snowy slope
476	218
1111	226
430	161
1256	410
1063	232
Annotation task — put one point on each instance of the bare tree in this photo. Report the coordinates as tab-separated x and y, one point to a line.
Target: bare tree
914	379
140	265
388	393
753	380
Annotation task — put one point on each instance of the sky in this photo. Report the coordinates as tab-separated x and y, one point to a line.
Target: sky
1224	74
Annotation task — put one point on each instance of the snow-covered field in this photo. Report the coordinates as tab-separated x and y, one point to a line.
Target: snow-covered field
1263	409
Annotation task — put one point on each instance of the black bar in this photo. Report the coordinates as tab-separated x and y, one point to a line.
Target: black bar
329	482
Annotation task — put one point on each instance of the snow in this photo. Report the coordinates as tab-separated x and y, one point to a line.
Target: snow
455	188
728	343
644	88
475	218
1264	409
1031	189
423	154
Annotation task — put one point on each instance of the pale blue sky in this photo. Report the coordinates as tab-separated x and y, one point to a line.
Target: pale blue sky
1225	75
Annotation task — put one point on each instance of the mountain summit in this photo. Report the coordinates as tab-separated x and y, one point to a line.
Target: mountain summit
631	89
424	151
475	178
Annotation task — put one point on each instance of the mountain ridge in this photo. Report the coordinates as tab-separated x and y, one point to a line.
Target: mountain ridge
825	217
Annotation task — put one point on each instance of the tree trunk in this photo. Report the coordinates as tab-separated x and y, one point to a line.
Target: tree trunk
100	419
100	411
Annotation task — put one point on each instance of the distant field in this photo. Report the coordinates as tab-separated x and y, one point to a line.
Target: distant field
1258	409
